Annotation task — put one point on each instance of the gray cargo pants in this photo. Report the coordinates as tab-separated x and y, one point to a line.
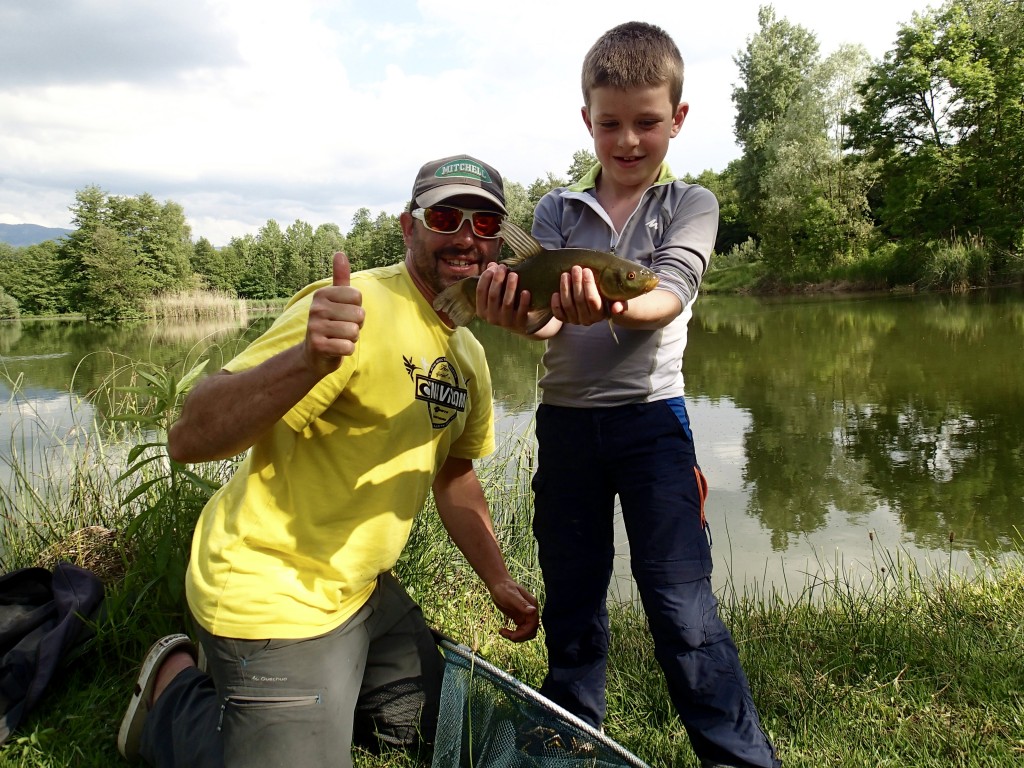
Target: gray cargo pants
296	703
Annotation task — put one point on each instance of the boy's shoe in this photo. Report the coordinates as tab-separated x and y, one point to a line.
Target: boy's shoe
131	726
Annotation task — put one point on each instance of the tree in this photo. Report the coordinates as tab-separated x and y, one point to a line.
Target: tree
155	233
541	187
943	114
805	199
327	240
160	236
87	214
357	241
210	265
298	240
582	161
387	243
256	280
814	203
518	205
733	226
774	68
117	286
9	309
31	275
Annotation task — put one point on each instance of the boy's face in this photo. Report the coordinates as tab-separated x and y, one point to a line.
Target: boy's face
631	130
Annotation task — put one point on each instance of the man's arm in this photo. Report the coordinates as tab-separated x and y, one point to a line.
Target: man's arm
464	513
226	413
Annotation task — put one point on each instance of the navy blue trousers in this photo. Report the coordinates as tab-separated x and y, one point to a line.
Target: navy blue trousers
644	453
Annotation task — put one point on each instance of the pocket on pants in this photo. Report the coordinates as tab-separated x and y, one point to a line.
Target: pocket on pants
275	700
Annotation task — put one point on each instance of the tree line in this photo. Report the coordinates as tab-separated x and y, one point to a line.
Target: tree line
900	171
908	166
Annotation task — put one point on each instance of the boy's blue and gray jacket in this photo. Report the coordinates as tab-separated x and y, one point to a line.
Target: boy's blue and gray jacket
672	231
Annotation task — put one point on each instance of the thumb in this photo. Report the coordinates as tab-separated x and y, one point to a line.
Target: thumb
341	269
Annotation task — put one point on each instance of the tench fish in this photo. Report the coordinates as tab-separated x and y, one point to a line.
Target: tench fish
539	270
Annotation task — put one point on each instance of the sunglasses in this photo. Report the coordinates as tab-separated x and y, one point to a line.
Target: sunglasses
447	220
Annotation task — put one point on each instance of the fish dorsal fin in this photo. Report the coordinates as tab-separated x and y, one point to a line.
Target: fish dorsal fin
523	245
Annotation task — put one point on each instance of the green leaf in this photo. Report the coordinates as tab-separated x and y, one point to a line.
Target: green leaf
139	490
137	450
136	467
186	382
162	385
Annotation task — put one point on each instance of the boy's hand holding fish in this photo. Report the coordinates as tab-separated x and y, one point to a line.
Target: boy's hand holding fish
525	292
580	302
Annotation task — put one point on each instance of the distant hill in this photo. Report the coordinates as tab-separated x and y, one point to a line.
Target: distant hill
29	234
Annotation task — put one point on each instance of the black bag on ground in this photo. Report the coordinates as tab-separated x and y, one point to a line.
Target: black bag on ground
41	621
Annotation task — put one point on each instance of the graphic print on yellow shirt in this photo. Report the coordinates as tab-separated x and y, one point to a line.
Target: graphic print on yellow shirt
439	387
292	544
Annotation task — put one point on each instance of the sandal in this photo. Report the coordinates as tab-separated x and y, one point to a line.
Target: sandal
130	734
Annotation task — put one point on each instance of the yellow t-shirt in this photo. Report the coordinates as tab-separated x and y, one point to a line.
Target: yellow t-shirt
292	544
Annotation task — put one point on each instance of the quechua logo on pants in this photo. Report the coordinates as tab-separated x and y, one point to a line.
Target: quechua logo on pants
439	389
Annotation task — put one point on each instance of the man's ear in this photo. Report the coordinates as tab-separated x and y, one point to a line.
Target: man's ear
407	221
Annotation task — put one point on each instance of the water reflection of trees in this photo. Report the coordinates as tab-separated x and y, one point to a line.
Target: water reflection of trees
80	357
515	365
912	404
10	332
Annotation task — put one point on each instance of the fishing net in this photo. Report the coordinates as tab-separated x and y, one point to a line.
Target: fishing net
489	719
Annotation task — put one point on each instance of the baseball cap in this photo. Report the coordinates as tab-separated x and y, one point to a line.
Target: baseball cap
458	175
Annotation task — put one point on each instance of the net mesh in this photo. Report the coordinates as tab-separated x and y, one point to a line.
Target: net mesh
489	719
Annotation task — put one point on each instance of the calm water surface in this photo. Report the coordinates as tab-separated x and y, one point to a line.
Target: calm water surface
818	421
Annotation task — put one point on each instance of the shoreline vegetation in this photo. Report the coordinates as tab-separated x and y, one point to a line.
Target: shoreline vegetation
899	668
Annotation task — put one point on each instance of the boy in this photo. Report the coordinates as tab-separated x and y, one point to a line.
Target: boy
613	419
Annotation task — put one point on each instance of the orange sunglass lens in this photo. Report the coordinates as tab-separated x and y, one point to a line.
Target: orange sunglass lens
486	224
443	219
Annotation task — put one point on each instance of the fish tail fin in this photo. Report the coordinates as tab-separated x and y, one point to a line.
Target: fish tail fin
458	301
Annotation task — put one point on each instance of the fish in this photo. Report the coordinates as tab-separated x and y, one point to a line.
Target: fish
540	269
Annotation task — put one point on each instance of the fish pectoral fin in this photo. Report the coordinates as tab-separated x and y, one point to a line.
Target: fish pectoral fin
611	327
537	319
523	245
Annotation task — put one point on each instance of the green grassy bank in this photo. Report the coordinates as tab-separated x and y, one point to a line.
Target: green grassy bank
903	669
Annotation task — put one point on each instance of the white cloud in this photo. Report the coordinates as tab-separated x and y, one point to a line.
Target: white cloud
246	110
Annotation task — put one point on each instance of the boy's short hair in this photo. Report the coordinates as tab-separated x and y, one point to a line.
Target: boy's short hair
634	55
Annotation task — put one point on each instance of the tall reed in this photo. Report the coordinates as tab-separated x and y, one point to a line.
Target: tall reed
185	306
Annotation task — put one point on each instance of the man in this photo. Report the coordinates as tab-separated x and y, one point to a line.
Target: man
357	401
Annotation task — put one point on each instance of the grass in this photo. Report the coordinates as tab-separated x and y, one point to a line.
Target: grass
903	669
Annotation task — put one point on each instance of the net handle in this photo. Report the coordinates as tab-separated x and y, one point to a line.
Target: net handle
451	646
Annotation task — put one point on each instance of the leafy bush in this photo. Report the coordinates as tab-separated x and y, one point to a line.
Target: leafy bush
9	309
957	265
746	252
873	270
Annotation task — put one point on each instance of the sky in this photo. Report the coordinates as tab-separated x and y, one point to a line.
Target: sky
243	111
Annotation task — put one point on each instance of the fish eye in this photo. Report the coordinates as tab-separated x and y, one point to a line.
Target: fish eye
631	276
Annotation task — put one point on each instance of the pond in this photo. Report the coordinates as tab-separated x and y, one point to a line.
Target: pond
835	432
